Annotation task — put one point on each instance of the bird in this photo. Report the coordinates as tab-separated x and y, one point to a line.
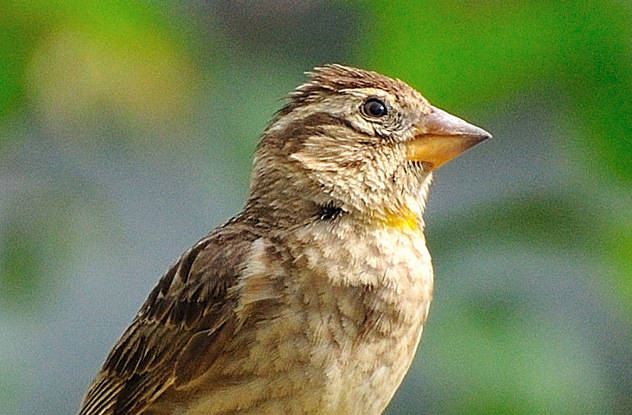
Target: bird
313	298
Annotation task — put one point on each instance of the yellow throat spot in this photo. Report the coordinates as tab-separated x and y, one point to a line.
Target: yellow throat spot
403	219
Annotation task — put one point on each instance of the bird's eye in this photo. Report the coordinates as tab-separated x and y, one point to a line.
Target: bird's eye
374	107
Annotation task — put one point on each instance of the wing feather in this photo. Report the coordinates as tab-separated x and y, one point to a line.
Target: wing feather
190	313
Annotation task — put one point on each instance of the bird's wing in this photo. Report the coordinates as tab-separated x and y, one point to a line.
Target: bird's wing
179	331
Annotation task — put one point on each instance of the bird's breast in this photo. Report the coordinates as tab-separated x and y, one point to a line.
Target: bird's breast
365	297
330	324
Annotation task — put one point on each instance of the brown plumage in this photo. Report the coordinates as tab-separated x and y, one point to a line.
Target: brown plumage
313	298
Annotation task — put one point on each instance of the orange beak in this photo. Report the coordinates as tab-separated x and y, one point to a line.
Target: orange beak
441	137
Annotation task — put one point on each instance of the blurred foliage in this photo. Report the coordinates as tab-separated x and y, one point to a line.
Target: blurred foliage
34	243
616	249
74	60
82	82
9	393
21	267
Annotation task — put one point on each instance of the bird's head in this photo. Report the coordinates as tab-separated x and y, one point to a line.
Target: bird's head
357	140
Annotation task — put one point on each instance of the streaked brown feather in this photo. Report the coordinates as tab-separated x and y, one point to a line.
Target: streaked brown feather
180	329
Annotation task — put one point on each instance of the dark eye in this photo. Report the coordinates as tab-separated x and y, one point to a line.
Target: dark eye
374	107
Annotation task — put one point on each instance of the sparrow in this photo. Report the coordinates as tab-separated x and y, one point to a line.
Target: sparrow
312	299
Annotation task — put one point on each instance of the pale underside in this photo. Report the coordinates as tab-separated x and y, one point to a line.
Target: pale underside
325	343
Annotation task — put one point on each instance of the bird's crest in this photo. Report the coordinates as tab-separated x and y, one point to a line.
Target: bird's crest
334	78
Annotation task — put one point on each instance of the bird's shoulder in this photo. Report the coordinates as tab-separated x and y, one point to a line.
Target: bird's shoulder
191	310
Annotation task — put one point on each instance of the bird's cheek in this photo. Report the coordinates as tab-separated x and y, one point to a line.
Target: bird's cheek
314	164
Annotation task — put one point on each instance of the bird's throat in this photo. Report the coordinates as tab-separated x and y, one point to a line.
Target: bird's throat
403	219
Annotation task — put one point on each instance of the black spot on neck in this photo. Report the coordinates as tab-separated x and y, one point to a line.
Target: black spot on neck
329	211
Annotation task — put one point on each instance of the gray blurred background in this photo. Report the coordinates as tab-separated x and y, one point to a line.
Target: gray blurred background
127	131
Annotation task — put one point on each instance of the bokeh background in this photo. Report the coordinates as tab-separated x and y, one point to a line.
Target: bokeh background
127	131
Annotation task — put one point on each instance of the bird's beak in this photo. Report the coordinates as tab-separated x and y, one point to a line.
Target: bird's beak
441	137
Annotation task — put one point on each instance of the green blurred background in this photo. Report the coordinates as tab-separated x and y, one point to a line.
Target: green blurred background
127	131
